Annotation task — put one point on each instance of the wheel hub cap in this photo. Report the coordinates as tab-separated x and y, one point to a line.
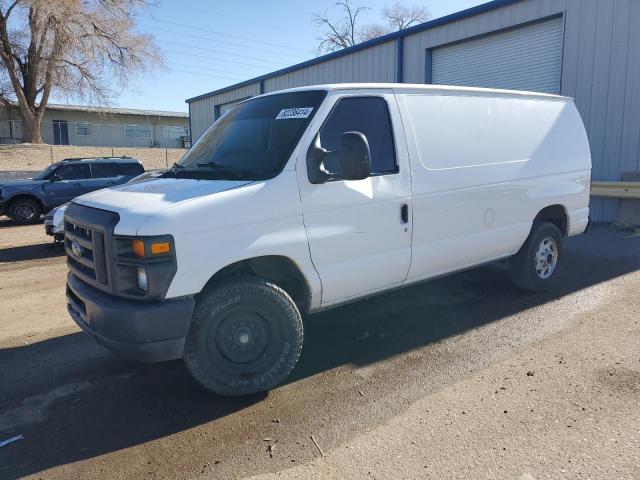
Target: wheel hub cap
242	336
546	258
25	212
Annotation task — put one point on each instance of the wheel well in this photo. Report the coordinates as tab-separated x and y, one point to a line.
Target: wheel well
280	270
555	214
30	197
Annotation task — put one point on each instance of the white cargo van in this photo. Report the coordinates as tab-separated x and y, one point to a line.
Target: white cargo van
308	198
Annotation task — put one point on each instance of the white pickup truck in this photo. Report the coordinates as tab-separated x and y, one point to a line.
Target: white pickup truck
304	199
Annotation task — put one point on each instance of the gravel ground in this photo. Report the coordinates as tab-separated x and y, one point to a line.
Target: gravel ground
462	377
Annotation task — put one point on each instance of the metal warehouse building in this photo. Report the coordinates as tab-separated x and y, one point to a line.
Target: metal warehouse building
585	49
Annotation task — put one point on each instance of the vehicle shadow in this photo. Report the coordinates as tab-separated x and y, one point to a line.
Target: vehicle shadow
39	251
73	401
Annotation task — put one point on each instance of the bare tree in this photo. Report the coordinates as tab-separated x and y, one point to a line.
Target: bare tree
343	32
340	33
373	30
399	17
83	49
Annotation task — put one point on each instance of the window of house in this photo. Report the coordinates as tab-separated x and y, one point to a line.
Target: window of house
175	132
83	129
139	131
370	116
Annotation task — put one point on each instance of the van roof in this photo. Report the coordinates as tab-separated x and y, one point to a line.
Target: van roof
418	87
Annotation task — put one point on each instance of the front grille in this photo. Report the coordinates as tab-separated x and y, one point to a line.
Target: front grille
88	236
85	252
79	305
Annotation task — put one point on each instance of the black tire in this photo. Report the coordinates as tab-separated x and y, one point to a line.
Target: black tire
24	211
531	268
245	337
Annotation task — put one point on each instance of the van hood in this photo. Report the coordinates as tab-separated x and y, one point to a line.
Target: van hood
145	198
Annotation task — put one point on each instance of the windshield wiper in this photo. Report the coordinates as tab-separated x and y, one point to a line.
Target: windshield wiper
173	171
218	168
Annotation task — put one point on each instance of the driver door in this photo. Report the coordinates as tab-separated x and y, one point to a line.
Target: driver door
359	231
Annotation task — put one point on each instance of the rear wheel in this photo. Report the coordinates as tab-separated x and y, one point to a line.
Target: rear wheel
535	267
245	337
24	211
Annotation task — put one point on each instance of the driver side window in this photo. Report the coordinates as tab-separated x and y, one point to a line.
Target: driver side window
73	172
370	116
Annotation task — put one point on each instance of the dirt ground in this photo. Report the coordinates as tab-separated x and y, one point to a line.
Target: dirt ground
462	377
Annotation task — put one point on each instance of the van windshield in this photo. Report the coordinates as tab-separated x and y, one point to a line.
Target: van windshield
253	140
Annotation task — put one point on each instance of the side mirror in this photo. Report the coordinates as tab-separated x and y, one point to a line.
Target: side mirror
55	177
353	158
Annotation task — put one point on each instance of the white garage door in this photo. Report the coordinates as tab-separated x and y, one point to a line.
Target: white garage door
526	58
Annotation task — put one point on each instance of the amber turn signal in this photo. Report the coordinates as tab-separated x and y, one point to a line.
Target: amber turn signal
138	247
160	248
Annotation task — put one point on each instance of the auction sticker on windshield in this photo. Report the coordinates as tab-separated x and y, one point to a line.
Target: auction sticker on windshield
301	112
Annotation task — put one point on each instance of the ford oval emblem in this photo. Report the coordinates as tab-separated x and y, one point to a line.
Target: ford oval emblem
76	248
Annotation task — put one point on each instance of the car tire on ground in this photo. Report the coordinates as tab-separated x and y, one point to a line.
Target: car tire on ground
535	267
24	211
245	337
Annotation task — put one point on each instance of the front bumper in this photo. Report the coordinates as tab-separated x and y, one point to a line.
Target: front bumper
144	331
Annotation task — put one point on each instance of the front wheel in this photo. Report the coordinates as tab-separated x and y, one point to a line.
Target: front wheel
24	211
245	337
535	267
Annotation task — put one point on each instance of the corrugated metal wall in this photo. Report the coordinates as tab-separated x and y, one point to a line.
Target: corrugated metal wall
376	64
600	69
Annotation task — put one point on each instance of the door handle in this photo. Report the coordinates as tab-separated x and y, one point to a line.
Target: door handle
76	184
404	213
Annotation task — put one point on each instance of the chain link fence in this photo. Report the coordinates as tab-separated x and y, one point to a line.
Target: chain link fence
22	160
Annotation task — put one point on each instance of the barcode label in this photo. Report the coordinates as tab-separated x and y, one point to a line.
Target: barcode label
302	112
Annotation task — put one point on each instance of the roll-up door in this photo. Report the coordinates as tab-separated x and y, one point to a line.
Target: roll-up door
525	58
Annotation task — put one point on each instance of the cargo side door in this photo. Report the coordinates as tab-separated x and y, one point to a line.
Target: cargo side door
359	231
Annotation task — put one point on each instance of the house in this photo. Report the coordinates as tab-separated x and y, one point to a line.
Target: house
585	49
102	126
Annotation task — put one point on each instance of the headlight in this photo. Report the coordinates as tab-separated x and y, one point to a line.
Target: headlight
142	279
58	214
144	266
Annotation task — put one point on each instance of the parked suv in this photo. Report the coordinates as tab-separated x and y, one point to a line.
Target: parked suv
298	201
25	200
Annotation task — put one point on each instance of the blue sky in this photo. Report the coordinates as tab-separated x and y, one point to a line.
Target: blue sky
212	44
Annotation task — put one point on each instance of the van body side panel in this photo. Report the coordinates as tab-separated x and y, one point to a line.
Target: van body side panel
212	232
483	166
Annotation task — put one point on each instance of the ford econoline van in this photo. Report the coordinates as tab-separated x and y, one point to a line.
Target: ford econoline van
304	199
